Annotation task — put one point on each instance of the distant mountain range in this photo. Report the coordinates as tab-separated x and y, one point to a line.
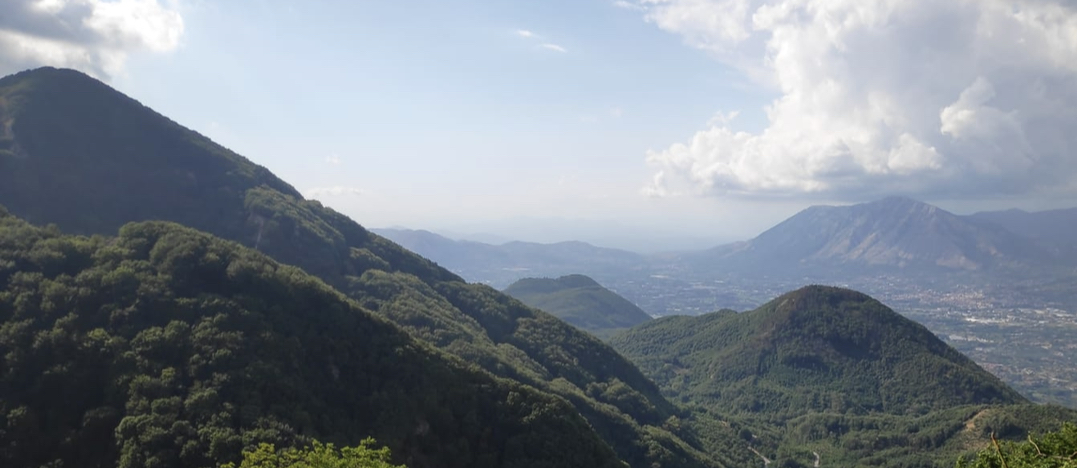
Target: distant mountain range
1052	230
581	301
501	265
895	234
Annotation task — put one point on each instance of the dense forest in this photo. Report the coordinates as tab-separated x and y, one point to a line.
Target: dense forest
200	307
832	371
814	349
318	455
169	347
1051	450
89	159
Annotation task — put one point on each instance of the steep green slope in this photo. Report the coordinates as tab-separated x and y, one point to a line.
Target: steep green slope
936	439
816	348
831	372
100	160
169	347
63	133
581	301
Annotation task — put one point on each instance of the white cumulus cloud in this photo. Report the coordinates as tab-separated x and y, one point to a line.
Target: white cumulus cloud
94	36
961	98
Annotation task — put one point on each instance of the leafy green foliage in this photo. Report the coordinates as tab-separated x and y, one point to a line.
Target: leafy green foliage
89	159
318	455
815	349
581	301
169	347
831	372
504	336
1052	450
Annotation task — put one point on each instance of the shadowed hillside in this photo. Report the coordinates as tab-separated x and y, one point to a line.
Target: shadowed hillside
89	159
168	347
831	371
817	348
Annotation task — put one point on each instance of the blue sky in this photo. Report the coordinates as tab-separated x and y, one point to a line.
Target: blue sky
683	121
451	118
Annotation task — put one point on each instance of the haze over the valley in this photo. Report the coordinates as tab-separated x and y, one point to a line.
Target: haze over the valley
635	124
502	234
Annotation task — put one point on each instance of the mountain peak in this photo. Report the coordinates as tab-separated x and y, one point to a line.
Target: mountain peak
815	296
61	80
893	232
899	199
799	309
578	281
897	202
580	301
815	341
69	135
54	72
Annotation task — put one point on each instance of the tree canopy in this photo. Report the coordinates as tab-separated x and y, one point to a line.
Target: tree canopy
167	347
318	455
1051	450
89	159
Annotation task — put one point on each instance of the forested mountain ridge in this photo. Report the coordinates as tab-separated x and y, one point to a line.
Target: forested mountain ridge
834	372
89	159
581	301
101	160
168	347
817	348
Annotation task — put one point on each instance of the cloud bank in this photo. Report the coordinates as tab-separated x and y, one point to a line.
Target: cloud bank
94	36
962	98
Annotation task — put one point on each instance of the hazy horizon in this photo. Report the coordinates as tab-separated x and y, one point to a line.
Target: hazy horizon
609	234
624	122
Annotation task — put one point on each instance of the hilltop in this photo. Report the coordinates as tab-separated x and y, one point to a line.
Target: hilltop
816	348
581	301
833	371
